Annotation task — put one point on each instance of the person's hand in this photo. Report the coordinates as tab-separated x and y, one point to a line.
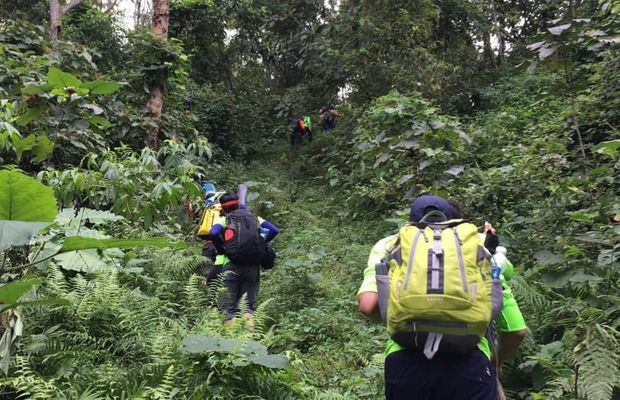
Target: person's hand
491	241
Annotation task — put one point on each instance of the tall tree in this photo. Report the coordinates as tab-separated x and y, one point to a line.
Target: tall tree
155	102
57	11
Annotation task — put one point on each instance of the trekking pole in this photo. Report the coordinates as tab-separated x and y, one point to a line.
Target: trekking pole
500	391
242	192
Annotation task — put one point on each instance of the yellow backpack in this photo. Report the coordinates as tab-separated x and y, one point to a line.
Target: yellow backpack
442	295
209	216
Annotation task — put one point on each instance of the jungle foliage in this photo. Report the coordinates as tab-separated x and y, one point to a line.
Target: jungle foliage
510	108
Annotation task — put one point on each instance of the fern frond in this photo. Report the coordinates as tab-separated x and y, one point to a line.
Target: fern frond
257	385
167	388
75	394
216	291
164	344
175	265
195	299
556	388
262	319
27	382
597	360
527	295
55	282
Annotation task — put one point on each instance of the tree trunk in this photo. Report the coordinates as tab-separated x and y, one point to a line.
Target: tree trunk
155	103
55	17
161	14
487	51
56	13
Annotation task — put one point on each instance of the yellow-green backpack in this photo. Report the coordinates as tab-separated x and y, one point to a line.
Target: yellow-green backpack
440	292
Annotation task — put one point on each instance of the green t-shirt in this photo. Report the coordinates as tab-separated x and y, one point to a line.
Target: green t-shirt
509	319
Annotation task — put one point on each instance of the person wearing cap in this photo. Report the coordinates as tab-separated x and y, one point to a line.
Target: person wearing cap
216	261
241	279
469	376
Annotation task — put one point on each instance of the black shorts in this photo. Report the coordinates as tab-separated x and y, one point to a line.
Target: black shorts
409	375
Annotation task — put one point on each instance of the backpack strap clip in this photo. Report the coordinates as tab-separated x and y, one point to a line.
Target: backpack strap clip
437	250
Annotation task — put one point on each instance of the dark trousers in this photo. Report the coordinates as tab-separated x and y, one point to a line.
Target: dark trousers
295	138
240	281
213	274
308	133
409	375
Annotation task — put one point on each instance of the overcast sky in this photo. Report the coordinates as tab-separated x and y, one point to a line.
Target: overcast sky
126	8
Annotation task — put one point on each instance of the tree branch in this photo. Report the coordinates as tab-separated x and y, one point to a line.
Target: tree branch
111	6
30	264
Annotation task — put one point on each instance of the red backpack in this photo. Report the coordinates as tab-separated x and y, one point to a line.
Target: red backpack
301	124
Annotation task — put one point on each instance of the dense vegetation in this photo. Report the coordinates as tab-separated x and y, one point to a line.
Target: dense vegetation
511	108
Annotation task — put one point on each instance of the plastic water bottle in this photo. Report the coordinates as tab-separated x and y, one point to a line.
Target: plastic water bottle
502	262
263	232
495	271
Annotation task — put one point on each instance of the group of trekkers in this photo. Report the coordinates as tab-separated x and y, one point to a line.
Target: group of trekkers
439	285
237	243
301	127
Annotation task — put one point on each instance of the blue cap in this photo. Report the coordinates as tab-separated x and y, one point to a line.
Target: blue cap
424	204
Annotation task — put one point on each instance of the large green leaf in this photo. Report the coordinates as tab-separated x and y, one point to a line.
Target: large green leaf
47	301
253	351
11	292
62	79
30	115
102	87
84	261
43	148
546	257
609	148
271	360
100	121
81	243
17	233
25	144
37	89
23	198
26	206
87	214
198	344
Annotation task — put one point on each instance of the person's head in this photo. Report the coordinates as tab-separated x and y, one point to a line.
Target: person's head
229	202
425	204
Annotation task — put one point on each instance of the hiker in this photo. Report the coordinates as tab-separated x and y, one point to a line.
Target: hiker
210	215
433	365
295	132
327	117
308	127
243	238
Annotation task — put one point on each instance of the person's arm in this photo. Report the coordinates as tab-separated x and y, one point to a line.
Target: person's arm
508	343
511	327
367	296
216	237
273	230
368	303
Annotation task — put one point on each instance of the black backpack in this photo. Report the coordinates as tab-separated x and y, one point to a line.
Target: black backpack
243	244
